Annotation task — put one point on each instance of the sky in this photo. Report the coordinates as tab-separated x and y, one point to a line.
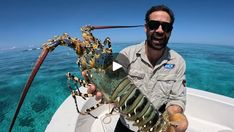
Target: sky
30	23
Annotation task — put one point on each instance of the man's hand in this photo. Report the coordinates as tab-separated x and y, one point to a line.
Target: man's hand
92	88
178	120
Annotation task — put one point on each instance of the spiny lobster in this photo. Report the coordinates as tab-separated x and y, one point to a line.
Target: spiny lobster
95	58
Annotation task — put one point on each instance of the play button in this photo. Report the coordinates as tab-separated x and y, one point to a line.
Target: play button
116	66
119	61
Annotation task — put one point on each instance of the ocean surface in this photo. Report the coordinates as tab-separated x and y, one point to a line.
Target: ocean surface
209	68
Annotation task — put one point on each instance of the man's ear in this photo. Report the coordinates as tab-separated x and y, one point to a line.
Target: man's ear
145	27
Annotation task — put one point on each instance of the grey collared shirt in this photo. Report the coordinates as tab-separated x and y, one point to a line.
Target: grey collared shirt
162	84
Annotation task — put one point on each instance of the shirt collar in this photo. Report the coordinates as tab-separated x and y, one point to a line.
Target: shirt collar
165	57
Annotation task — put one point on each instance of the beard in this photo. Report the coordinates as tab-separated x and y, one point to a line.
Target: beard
157	41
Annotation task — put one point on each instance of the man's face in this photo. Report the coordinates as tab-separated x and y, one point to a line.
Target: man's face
158	30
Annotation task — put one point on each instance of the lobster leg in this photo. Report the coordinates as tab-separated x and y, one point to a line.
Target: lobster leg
87	111
77	92
76	81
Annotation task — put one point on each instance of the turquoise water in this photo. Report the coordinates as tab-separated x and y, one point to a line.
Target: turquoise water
209	67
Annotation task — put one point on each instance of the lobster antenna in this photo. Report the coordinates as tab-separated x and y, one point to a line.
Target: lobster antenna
28	84
106	27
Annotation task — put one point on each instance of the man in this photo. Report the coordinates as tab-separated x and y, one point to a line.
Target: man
155	69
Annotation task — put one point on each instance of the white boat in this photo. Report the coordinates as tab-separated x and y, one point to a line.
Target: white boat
206	112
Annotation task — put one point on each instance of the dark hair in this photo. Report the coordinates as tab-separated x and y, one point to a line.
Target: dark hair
160	8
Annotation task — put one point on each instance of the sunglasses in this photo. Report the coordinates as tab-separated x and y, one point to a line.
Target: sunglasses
153	25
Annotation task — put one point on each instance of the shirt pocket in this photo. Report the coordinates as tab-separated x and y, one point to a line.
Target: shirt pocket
137	77
165	82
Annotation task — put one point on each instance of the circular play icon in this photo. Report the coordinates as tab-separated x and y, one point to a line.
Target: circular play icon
119	61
